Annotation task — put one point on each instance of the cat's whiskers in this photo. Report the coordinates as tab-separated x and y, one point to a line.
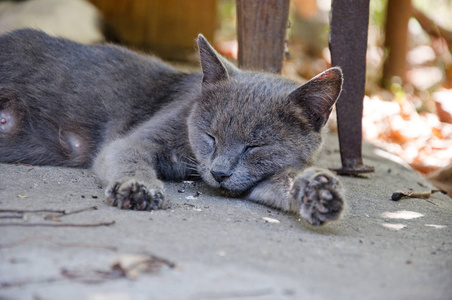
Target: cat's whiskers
190	159
191	165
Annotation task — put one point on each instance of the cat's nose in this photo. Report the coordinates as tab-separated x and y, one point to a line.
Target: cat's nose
220	176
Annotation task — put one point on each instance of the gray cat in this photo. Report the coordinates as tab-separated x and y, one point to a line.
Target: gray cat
137	121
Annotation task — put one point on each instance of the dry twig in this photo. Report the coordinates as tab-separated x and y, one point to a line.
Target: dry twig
58	225
127	266
66	213
31	211
424	195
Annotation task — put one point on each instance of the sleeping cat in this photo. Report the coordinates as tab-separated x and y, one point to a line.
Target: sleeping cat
138	121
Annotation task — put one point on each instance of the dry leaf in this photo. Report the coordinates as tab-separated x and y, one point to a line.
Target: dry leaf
132	266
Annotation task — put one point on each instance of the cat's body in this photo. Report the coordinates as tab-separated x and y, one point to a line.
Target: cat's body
138	121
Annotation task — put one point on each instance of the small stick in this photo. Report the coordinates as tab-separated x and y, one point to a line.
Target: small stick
425	195
58	224
79	210
23	211
61	212
66	213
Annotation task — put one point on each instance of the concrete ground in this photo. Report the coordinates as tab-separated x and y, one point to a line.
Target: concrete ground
223	248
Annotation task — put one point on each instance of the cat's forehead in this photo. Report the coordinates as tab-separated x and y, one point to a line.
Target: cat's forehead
251	105
249	93
261	84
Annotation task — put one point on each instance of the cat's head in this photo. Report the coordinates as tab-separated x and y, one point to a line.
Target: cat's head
248	126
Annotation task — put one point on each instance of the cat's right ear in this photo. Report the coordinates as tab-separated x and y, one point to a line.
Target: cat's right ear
214	67
318	96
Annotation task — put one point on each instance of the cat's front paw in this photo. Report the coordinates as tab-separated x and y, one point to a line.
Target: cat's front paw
130	193
319	194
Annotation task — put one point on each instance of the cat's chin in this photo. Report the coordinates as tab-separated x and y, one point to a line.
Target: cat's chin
231	193
225	190
235	191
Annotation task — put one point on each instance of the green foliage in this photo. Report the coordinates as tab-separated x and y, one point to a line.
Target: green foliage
227	17
378	12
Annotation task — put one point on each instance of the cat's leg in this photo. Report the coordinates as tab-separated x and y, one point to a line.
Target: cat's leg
126	167
315	194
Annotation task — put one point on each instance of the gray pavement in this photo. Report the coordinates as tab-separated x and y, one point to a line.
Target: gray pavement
224	248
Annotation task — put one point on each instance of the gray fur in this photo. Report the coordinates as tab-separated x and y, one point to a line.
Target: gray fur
138	121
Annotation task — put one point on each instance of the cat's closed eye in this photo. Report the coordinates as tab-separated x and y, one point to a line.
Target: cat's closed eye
250	148
211	140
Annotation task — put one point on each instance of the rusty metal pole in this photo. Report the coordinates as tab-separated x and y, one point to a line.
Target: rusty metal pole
348	44
261	33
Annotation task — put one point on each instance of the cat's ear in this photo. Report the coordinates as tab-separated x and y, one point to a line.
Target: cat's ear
214	67
318	96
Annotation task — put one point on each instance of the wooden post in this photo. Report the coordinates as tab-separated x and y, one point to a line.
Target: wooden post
261	32
398	13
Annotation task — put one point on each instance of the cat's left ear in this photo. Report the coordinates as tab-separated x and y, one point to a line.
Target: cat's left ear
214	67
319	95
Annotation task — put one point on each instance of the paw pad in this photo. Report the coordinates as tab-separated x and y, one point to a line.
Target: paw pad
319	195
134	195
